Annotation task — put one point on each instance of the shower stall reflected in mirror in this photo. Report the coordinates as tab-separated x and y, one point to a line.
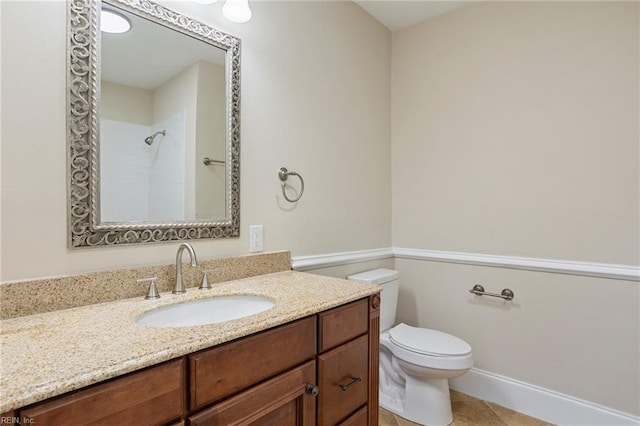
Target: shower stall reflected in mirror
143	170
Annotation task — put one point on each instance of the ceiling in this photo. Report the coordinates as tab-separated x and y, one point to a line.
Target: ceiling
150	54
398	14
132	59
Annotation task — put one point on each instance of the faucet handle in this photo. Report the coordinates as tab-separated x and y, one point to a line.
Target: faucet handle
205	279
153	289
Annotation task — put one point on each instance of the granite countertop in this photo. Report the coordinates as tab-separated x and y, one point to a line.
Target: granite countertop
48	354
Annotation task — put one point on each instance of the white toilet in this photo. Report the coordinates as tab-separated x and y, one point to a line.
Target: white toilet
415	363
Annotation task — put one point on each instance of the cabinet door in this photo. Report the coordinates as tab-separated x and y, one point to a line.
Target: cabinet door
154	396
343	377
282	401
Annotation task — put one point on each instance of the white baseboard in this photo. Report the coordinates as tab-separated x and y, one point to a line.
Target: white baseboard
538	402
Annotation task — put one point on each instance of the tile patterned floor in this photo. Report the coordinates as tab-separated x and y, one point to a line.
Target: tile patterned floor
469	411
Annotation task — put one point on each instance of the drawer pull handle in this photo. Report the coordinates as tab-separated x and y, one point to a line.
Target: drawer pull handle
353	381
312	389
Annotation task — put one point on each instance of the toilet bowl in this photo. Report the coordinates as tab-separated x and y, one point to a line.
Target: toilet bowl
415	363
424	360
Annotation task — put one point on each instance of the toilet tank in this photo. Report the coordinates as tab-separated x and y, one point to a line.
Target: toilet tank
389	280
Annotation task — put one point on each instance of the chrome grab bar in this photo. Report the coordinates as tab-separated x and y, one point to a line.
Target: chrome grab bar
478	290
283	174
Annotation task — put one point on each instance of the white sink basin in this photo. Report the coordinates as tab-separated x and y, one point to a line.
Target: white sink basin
206	311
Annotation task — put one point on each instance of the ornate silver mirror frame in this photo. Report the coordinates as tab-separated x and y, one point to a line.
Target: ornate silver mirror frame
83	98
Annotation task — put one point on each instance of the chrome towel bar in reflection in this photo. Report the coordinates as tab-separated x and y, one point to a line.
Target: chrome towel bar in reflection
284	174
208	161
506	293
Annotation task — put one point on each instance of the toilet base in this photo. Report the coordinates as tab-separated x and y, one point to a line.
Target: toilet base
428	402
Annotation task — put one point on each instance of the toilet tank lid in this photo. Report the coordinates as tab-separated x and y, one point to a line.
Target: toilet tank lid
375	276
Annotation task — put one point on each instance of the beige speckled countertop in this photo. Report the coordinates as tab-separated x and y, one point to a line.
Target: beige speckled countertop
48	354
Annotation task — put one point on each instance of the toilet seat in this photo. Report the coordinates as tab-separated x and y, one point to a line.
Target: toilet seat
411	345
428	342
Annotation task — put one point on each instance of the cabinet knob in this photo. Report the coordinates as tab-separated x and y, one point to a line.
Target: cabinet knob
312	389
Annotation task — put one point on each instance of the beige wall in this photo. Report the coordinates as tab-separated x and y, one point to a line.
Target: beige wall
126	103
315	98
515	132
210	194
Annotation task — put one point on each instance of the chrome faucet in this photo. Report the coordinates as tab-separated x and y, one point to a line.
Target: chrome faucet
179	288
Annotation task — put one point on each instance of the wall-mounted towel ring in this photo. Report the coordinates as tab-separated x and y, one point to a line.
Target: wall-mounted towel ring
283	174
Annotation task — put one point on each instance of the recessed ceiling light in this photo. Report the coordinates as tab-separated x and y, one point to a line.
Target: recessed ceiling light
113	22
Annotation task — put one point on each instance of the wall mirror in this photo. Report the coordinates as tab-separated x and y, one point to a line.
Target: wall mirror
153	126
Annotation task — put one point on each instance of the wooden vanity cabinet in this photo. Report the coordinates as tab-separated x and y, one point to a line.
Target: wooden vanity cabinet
346	368
322	369
359	418
152	396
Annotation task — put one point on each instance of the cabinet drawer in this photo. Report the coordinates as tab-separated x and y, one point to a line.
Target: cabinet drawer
342	324
282	400
343	381
227	369
359	418
154	396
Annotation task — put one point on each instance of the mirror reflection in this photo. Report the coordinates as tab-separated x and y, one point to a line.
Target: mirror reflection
162	113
